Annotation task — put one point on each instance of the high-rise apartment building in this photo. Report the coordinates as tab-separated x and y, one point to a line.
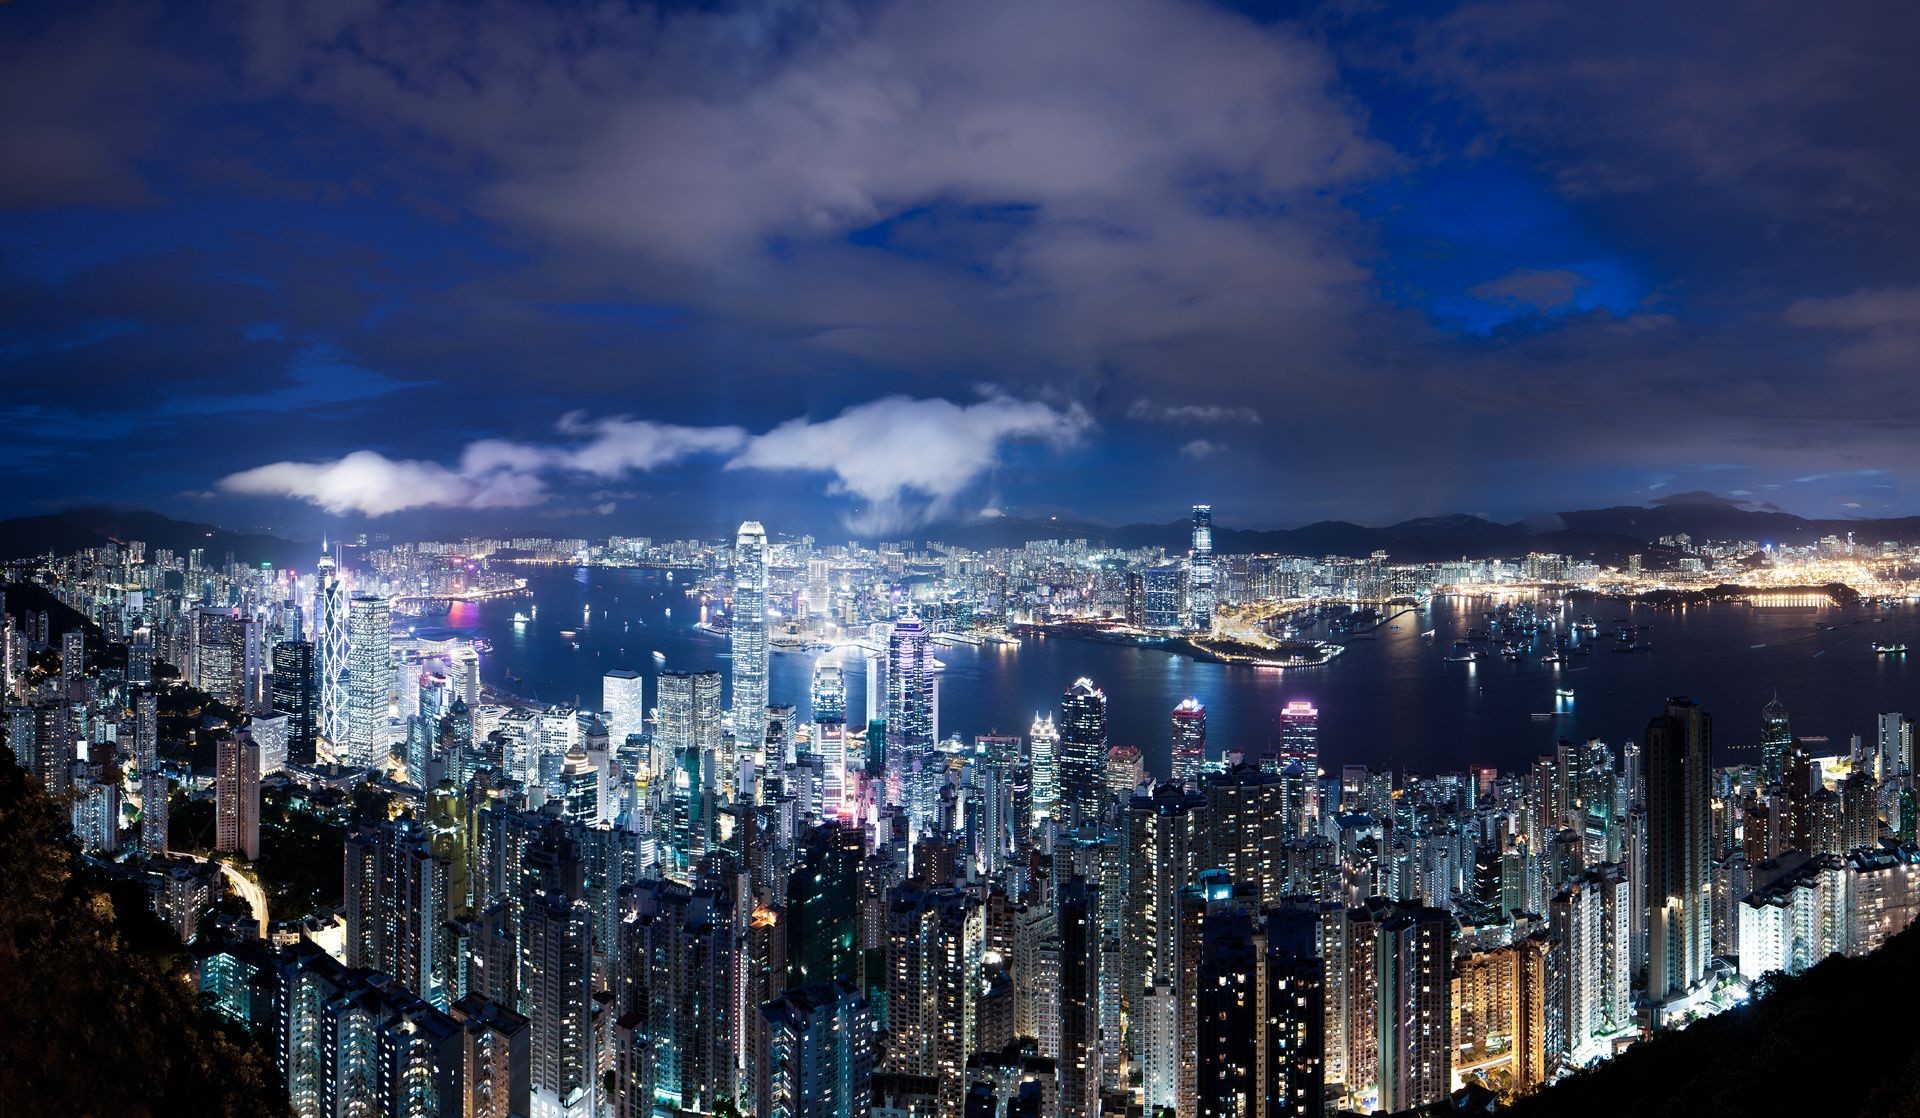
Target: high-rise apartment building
1679	760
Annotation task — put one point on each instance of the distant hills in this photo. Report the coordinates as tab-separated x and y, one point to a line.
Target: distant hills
74	529
1607	535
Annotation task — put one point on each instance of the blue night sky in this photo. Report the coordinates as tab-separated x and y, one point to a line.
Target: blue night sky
869	266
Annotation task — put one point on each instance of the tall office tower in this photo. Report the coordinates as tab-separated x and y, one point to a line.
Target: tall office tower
623	698
823	907
236	796
909	702
1200	588
559	954
1189	739
1080	1060
748	621
397	904
331	653
816	1053
269	731
1300	735
1776	741
153	813
140	657
494	1067
291	690
1043	739
41	738
1414	950
1679	897
73	662
369	682
146	730
1896	745
830	737
220	655
1083	753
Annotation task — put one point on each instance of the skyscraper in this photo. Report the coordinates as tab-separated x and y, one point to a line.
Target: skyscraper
1200	590
291	690
748	621
1189	739
1679	758
1414	948
1776	741
1044	740
1083	752
910	717
816	1052
559	957
236	796
153	813
623	698
369	682
1300	735
331	659
220	654
830	736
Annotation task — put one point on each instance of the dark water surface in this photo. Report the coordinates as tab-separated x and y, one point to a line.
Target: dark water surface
1389	700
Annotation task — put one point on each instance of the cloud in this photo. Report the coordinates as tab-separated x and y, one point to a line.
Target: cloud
908	459
1533	287
1202	448
905	459
1151	412
375	485
1885	323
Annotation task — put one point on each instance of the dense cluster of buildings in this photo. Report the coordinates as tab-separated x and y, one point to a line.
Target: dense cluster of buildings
699	901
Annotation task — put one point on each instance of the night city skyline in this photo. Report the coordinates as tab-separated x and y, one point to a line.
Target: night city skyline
886	264
916	559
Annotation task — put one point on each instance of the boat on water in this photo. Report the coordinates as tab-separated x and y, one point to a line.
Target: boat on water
659	657
1563	692
520	618
1889	649
1554	658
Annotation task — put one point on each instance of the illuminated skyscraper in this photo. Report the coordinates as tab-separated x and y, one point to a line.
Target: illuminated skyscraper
816	1046
559	955
236	796
153	813
1189	739
1679	759
910	716
749	637
1300	734
369	682
1044	740
1083	752
219	654
291	691
332	652
1200	584
623	698
1776	741
830	734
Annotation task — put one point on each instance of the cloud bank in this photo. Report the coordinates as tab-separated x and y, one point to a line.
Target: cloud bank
905	460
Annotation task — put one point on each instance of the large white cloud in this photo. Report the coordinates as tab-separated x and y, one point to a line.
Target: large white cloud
908	459
905	459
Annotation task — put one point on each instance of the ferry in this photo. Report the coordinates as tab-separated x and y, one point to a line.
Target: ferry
659	657
520	619
1554	658
1889	649
1563	692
